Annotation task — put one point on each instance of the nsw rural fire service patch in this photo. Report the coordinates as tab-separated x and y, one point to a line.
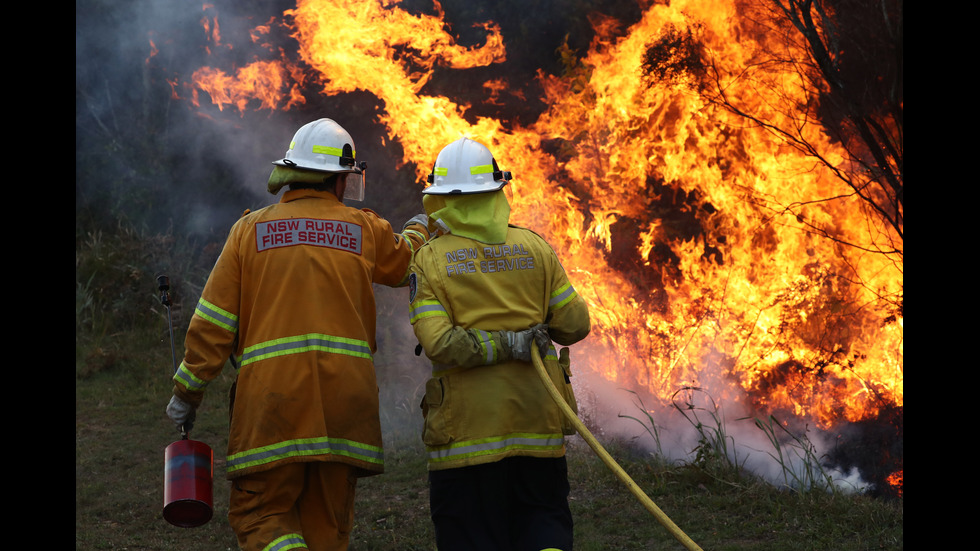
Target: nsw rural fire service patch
332	234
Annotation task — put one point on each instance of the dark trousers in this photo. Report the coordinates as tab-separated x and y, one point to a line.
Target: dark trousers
516	504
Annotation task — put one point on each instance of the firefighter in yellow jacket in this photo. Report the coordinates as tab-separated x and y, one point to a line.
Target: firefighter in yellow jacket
482	294
290	300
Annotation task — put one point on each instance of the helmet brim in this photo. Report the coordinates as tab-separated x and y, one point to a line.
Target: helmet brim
464	188
286	163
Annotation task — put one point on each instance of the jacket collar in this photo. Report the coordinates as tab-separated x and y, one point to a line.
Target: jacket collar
294	194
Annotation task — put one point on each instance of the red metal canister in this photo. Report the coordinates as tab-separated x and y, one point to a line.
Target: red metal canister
187	492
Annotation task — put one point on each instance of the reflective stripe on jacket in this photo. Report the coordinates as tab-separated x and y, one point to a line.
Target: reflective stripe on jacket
291	298
480	405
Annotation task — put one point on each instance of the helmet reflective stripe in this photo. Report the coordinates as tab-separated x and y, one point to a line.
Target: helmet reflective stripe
489	446
305	447
327	150
221	318
289	541
425	309
305	343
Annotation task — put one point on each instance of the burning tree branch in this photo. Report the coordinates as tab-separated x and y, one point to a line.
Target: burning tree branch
834	68
831	30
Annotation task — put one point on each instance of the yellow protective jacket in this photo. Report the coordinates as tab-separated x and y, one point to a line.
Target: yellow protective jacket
480	405
291	299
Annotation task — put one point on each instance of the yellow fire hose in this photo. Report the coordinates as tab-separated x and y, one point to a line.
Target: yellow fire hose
606	458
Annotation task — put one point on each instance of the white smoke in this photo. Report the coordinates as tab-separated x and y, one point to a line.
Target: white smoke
693	423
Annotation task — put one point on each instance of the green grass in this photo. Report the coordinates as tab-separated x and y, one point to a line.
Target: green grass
121	432
123	367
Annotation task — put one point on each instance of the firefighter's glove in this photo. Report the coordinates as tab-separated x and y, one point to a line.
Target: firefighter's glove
181	413
520	342
542	339
420	219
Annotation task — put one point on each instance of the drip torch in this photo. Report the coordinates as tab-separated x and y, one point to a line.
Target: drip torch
189	464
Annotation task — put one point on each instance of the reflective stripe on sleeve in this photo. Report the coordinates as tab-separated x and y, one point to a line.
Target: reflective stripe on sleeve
488	347
417	234
287	542
221	318
425	309
562	296
188	379
305	343
489	446
305	447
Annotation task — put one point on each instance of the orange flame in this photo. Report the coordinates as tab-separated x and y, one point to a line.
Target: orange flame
897	481
752	306
153	51
265	81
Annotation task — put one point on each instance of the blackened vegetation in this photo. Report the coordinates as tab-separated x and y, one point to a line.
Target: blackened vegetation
675	57
872	448
680	214
860	58
875	448
535	35
849	69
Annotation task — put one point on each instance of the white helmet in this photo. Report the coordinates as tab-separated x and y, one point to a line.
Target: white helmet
464	167
324	146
